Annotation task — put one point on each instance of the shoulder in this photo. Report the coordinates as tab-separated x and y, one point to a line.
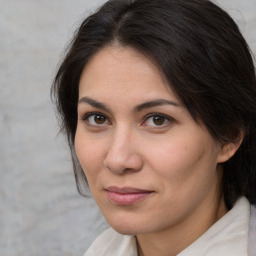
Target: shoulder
111	243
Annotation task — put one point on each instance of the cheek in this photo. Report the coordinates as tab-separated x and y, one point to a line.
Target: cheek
176	156
90	155
184	164
185	173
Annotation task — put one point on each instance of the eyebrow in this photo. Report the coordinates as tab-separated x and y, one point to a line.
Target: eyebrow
155	103
94	103
138	108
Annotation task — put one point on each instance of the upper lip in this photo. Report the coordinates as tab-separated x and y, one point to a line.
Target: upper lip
126	190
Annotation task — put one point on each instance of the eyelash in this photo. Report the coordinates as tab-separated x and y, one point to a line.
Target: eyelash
91	114
166	118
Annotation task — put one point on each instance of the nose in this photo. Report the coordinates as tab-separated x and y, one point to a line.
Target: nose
122	154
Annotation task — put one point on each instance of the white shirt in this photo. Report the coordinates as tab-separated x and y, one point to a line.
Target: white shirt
227	237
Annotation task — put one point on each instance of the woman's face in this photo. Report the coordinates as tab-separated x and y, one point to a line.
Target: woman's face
149	165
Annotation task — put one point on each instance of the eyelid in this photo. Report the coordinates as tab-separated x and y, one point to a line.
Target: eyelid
94	113
168	118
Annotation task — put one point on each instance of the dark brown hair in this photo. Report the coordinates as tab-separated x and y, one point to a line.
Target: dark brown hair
202	53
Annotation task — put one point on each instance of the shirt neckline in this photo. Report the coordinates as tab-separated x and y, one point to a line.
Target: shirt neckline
228	236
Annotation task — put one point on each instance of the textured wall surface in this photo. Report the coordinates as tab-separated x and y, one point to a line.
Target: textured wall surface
41	212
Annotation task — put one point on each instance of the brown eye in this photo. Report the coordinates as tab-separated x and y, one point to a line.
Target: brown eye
98	119
159	120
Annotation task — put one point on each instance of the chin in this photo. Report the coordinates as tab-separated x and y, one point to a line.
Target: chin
130	232
127	227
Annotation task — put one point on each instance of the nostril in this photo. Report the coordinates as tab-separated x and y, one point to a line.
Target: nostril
123	163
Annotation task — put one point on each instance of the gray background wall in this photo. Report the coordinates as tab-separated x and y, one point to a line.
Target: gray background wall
41	212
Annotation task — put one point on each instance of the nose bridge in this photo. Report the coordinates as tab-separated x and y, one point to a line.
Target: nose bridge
122	152
120	138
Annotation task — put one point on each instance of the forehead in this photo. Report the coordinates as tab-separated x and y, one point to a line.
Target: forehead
122	70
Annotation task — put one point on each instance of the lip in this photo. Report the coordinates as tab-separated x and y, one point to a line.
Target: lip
126	195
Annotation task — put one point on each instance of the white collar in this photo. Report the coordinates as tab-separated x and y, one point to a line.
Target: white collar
227	237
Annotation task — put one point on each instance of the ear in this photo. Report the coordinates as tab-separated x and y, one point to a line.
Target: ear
228	149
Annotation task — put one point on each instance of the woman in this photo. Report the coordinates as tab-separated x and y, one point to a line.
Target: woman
157	99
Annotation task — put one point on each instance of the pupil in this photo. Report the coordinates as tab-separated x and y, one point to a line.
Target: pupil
158	120
99	119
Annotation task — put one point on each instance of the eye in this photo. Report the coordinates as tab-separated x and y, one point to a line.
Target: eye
96	119
157	120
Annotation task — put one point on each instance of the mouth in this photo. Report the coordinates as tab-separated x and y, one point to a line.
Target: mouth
126	195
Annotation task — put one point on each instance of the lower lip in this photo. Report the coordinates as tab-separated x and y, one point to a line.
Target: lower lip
127	198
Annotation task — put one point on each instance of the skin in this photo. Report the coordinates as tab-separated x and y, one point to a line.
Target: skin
123	145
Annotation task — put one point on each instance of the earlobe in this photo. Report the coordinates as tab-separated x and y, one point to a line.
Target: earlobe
228	149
